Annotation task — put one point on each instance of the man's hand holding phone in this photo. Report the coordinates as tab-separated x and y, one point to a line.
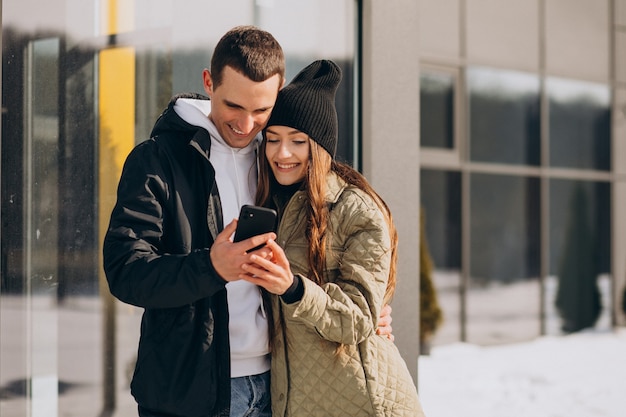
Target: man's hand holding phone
252	231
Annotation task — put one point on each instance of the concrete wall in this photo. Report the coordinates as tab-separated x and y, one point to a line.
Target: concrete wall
391	145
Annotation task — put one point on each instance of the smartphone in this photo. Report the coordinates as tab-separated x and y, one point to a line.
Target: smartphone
253	221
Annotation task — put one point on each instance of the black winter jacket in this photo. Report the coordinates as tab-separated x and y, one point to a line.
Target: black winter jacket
156	256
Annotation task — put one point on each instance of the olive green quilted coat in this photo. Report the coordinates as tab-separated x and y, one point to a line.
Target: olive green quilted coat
327	360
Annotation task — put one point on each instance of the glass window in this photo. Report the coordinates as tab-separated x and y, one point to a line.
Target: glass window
437	110
503	117
83	82
578	288
30	257
504	299
503	294
441	205
580	124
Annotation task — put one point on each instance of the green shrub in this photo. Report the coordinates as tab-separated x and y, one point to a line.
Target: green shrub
430	312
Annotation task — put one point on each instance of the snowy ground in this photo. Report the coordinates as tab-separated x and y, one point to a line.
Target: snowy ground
579	375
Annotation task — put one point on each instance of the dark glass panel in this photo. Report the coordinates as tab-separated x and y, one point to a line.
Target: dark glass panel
504	117
503	292
441	202
437	110
580	124
578	288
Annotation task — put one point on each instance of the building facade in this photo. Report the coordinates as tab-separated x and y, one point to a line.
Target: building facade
504	121
522	165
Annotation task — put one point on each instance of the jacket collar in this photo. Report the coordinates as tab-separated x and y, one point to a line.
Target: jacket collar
334	187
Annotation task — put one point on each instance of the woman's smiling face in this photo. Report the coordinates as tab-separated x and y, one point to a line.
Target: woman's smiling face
287	151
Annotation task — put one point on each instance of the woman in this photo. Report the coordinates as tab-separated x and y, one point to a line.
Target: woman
333	267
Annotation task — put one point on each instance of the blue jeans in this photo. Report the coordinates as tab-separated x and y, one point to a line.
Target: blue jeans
250	396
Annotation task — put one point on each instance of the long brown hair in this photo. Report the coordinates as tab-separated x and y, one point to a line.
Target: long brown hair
321	163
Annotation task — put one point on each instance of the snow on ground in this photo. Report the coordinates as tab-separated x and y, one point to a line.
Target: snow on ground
578	375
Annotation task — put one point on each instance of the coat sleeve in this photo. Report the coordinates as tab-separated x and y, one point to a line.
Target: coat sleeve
139	269
346	310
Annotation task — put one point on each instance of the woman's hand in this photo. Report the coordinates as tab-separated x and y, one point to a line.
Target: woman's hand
272	274
384	323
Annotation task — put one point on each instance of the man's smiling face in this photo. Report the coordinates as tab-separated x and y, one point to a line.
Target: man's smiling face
240	107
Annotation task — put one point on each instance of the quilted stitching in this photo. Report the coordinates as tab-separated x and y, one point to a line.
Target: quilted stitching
367	377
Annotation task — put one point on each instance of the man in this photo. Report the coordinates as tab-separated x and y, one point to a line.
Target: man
165	249
203	349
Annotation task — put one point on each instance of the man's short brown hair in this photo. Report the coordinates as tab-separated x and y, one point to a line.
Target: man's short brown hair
250	51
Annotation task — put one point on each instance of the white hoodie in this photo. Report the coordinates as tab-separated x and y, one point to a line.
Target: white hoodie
236	176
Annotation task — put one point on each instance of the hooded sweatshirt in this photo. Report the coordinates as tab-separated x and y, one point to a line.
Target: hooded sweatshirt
236	176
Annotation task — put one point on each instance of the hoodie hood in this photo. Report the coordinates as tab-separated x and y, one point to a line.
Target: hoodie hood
170	121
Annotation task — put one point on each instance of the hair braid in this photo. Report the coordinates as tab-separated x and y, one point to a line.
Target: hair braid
317	212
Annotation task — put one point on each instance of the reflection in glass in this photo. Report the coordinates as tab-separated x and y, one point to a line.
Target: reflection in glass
503	293
437	110
156	80
580	124
55	357
441	202
578	288
503	117
41	143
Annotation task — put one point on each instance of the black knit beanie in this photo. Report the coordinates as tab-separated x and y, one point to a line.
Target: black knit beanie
308	104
